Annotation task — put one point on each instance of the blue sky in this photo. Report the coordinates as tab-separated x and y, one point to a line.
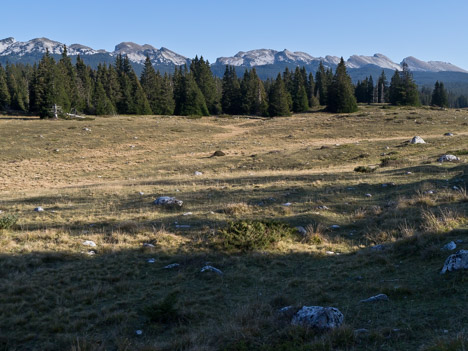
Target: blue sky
428	30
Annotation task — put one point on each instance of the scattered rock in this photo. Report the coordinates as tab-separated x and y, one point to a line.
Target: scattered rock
330	253
379	297
285	309
335	226
187	214
197	173
448	158
139	332
301	230
151	260
448	134
168	202
368	195
218	153
39	209
361	331
318	317
91	253
456	261
450	246
86	129
141	193
182	226
89	243
172	265
148	245
211	269
417	140
287	204
323	207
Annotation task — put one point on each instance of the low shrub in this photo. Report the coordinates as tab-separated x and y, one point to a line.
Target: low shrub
8	221
254	235
364	169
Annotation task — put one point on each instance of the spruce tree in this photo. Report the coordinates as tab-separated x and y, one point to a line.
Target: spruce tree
253	96
4	93
382	88
206	82
403	90
151	84
439	95
231	94
299	92
341	97
279	99
321	84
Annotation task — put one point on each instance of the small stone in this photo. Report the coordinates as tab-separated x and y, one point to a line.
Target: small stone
301	230
86	129
285	309
211	269
318	317
287	204
450	246
151	260
148	245
379	297
335	226
187	214
329	253
197	173
448	134
448	158
168	202
182	226
91	253
89	243
172	265
218	153
368	195
139	332
417	140
456	261
141	193
409	172
39	209
323	207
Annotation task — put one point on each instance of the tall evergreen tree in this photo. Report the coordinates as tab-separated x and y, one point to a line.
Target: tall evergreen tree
341	97
206	82
321	84
279	99
382	88
403	90
299	92
253	96
313	101
151	83
4	93
439	95
231	95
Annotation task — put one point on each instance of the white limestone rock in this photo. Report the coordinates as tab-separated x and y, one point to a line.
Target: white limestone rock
169	202
448	158
456	262
318	317
417	140
379	297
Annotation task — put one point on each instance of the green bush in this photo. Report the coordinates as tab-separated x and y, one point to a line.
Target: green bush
164	311
254	235
8	221
364	169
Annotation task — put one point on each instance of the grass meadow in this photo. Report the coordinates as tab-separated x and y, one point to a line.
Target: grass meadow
97	180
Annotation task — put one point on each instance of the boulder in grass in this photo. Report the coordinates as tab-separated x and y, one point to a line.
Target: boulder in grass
218	153
417	140
448	134
168	202
448	158
455	262
318	317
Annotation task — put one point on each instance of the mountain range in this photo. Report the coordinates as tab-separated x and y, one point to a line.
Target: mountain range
267	62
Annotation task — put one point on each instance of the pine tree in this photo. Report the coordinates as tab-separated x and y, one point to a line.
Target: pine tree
403	90
84	87
166	97
44	87
439	95
231	94
151	83
322	83
313	101
4	93
382	88
206	82
101	102
253	96
278	99
299	92
341	97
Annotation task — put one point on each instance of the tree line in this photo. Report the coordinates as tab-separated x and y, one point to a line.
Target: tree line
194	90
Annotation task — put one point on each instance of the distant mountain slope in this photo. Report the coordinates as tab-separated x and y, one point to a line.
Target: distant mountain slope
31	51
267	62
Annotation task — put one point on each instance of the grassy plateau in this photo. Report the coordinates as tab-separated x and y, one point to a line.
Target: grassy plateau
352	181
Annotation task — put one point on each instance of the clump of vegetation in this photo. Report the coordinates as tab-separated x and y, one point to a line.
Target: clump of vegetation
164	311
8	221
440	222
254	235
236	209
364	169
390	162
